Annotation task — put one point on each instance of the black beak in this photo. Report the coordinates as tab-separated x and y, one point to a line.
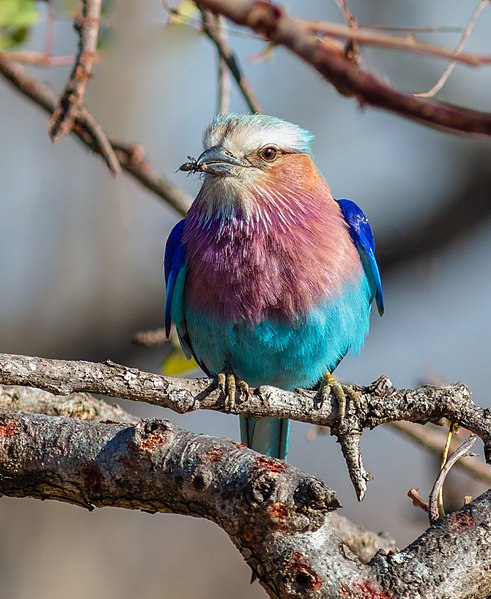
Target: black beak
218	161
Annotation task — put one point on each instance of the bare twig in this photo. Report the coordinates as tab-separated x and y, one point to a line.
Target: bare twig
223	95
151	338
363	543
434	440
348	15
416	29
408	43
71	100
233	65
458	51
451	428
38	59
103	144
351	50
456	455
271	21
417	500
369	35
130	155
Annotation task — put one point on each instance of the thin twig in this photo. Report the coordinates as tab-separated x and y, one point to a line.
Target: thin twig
232	63
370	37
71	100
272	21
417	500
433	440
223	99
444	459
104	147
131	156
458	50
153	338
38	59
457	454
352	50
393	42
416	29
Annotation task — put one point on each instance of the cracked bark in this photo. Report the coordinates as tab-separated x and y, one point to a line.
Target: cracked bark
278	517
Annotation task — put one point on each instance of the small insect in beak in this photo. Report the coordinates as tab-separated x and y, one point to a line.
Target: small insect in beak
192	166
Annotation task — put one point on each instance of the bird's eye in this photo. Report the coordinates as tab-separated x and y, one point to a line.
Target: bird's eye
269	153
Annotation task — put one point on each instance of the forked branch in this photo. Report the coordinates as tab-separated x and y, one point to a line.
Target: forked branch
277	516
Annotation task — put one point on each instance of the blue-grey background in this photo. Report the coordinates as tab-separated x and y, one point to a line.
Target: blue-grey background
81	256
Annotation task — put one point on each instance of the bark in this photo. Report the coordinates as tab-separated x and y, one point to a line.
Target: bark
76	405
379	403
278	517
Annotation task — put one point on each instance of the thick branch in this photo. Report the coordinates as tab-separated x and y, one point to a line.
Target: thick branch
380	403
271	21
130	156
278	517
76	405
362	542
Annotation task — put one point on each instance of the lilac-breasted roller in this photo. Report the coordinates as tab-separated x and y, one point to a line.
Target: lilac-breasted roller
269	278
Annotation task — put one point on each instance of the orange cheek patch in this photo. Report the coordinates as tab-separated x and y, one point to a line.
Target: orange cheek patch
290	169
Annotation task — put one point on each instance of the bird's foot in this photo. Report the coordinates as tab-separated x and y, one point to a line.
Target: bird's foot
228	383
341	392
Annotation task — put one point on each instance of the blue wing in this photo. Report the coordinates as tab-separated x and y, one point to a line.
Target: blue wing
175	273
362	237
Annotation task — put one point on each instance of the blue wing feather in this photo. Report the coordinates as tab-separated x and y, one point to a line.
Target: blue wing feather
175	278
362	236
174	261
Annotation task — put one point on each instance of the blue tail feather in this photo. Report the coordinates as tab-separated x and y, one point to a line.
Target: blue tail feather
269	436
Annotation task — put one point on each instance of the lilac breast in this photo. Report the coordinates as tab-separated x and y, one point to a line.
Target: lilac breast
268	265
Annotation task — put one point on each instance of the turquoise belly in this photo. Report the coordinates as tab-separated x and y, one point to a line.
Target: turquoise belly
284	354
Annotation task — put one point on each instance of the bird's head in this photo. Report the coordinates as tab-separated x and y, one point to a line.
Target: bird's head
250	158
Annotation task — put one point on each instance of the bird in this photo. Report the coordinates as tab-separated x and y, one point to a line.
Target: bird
269	279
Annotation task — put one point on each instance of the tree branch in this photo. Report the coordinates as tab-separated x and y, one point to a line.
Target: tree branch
379	403
77	405
434	441
458	50
278	517
71	100
130	156
83	406
272	21
371	37
435	494
231	61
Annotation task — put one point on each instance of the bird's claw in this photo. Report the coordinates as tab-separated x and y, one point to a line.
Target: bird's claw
341	392
228	383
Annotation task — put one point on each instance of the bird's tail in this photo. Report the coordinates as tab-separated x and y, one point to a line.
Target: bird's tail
269	436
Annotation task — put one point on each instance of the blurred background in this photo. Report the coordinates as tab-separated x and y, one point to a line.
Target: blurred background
81	254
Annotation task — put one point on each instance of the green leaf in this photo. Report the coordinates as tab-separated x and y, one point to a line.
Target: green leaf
16	16
184	13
